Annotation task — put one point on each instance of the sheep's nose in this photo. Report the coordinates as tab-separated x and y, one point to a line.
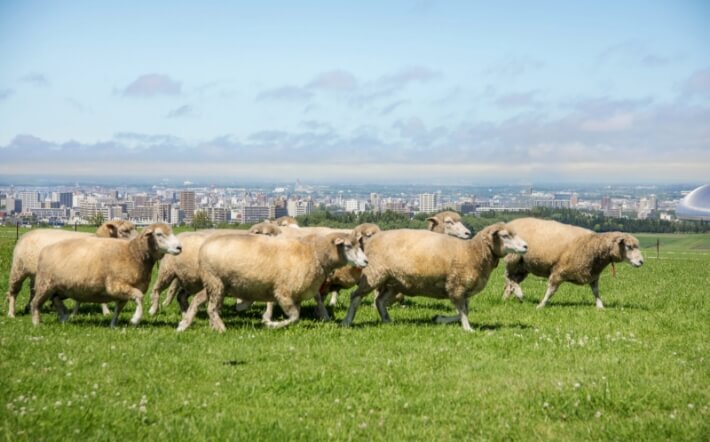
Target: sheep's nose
525	247
366	261
179	248
640	262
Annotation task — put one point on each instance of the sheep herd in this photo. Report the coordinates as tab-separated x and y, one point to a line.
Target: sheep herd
280	262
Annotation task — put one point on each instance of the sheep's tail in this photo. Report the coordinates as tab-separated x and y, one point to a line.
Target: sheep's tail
613	270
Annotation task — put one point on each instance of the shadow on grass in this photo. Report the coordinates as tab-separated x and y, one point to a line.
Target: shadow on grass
608	305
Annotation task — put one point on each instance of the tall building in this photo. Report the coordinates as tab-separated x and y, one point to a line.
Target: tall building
375	202
66	199
428	202
300	207
30	200
187	204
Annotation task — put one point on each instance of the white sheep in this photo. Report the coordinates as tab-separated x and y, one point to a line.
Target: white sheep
561	252
180	273
26	254
102	270
281	269
448	222
417	262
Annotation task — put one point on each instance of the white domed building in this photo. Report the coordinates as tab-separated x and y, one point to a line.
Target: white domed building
695	205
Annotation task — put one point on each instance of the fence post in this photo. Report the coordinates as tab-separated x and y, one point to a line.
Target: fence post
658	247
17	231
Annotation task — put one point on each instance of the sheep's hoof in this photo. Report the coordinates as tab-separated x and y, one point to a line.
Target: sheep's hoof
219	328
153	311
182	326
540	306
344	324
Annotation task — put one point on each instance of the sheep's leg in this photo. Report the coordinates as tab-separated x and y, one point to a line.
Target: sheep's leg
164	280
268	312
38	301
105	310
214	305
182	299
382	300
214	289
461	305
323	314
243	305
117	312
595	289
552	286
173	290
189	315
355	300
333	298
289	307
136	296
61	310
17	277
28	306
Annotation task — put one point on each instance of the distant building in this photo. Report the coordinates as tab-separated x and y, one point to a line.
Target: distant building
218	215
299	207
30	200
428	202
187	204
255	214
395	206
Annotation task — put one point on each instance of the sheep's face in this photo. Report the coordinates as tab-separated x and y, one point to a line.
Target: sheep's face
163	238
351	250
630	250
450	225
506	241
126	230
363	232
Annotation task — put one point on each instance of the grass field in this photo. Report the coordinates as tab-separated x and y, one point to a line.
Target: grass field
639	370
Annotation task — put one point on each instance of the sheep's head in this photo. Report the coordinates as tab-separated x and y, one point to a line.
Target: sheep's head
160	237
625	247
448	223
504	240
364	231
117	229
265	228
349	248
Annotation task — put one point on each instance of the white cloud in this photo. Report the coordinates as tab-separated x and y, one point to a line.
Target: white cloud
152	85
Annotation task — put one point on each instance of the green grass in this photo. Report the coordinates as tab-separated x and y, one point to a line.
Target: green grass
638	370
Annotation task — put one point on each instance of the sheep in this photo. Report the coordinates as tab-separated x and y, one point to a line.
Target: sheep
27	250
448	222
417	262
102	270
180	273
564	253
284	221
282	269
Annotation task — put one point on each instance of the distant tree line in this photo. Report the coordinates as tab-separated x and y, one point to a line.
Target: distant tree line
595	221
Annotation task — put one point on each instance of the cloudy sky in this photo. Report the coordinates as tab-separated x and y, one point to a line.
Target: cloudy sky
399	91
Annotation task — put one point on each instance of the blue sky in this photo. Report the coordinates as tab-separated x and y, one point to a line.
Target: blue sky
406	91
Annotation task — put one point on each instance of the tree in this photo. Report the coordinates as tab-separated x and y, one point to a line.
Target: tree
97	219
200	220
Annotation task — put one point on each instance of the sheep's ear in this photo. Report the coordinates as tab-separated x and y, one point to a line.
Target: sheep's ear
112	229
433	221
267	221
338	241
148	231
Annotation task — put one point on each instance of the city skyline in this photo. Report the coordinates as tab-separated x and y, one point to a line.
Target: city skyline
418	92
